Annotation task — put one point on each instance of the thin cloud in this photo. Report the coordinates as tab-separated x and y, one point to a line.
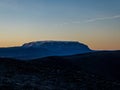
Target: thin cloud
103	18
92	20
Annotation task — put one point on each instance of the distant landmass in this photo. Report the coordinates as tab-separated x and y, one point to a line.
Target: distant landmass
41	49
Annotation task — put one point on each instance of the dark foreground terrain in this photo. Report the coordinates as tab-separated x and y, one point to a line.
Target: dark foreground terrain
91	71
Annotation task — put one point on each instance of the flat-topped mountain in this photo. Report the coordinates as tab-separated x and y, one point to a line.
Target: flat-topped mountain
56	44
61	47
40	49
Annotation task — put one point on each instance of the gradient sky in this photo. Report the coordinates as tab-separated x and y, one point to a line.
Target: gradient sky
93	22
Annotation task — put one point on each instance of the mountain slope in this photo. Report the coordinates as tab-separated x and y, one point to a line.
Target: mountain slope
41	49
24	53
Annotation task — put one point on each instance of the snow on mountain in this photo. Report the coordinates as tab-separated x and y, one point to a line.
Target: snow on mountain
60	47
46	44
41	49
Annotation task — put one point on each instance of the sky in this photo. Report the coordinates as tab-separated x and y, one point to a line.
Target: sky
93	22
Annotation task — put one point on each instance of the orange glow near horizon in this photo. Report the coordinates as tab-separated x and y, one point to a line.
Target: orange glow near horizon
86	21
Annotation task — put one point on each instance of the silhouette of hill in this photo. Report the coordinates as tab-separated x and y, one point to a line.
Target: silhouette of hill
40	49
95	71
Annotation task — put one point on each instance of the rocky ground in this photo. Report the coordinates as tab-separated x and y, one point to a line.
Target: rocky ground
78	72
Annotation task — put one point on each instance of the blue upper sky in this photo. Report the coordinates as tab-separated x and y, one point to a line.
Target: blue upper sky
94	22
